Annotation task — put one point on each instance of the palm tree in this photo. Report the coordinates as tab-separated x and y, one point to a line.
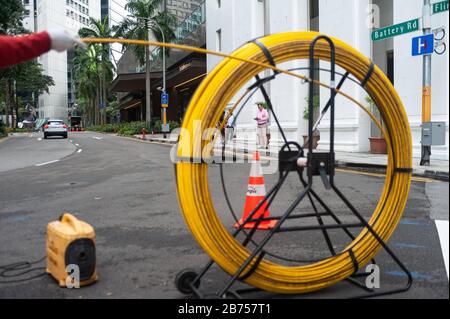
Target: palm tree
86	81
101	29
146	18
93	74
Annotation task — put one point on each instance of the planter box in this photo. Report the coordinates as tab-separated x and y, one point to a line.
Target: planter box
378	145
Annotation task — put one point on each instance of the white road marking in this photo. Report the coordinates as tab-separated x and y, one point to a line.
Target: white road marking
80	150
40	139
77	144
97	138
442	227
46	163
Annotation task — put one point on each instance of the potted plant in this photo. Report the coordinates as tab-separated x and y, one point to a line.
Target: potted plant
377	143
316	133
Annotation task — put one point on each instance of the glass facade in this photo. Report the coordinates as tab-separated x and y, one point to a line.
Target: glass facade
104	9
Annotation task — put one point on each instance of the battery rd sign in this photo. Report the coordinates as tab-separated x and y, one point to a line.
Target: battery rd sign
395	30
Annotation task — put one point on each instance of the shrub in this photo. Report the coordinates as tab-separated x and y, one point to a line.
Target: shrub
16	130
132	128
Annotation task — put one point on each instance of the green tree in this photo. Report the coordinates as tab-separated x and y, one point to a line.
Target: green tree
146	19
101	29
93	76
22	82
11	14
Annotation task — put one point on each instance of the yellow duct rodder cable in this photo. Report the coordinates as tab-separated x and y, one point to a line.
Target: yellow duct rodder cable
207	106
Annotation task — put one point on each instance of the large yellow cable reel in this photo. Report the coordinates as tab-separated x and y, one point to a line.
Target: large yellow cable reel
209	103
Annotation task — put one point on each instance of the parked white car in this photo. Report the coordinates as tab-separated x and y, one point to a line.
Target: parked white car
55	128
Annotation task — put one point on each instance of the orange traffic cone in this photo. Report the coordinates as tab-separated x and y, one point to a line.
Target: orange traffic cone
255	194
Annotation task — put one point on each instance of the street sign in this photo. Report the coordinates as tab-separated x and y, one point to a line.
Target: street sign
440	7
423	45
395	30
165	128
164	100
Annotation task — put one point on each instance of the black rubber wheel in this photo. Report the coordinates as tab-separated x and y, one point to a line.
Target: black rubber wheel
183	280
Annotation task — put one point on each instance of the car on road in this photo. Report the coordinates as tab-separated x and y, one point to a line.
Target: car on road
55	128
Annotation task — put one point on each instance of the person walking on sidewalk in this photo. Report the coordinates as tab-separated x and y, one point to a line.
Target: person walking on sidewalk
17	49
262	119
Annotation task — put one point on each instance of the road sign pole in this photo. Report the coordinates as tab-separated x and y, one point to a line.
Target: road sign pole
164	106
164	121
426	87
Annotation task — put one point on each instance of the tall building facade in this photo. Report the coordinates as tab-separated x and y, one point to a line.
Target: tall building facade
231	23
181	8
184	70
70	15
115	12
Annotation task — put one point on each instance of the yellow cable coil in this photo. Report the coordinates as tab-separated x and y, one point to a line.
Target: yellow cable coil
207	106
209	103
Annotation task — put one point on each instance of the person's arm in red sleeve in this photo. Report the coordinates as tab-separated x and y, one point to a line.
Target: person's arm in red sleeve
14	50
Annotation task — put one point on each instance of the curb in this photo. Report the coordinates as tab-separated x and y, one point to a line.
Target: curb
442	176
362	167
4	139
373	168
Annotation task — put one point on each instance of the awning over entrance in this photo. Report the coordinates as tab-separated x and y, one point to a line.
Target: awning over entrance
132	82
182	79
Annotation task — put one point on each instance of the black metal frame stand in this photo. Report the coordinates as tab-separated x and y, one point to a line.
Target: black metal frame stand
320	164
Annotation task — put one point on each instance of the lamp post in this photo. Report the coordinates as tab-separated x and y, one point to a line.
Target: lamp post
426	85
163	110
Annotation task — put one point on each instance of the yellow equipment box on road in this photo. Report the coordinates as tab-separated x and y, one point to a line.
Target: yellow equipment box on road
71	252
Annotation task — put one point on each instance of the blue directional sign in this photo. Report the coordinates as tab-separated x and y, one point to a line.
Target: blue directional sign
164	100
423	45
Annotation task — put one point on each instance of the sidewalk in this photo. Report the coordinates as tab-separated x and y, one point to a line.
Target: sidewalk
158	138
439	169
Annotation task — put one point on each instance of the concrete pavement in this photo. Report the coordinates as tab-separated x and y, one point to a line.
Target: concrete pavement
28	149
126	190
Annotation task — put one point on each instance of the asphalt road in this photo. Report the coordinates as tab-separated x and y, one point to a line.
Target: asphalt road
126	190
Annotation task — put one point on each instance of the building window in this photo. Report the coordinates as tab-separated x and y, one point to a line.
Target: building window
390	66
219	40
